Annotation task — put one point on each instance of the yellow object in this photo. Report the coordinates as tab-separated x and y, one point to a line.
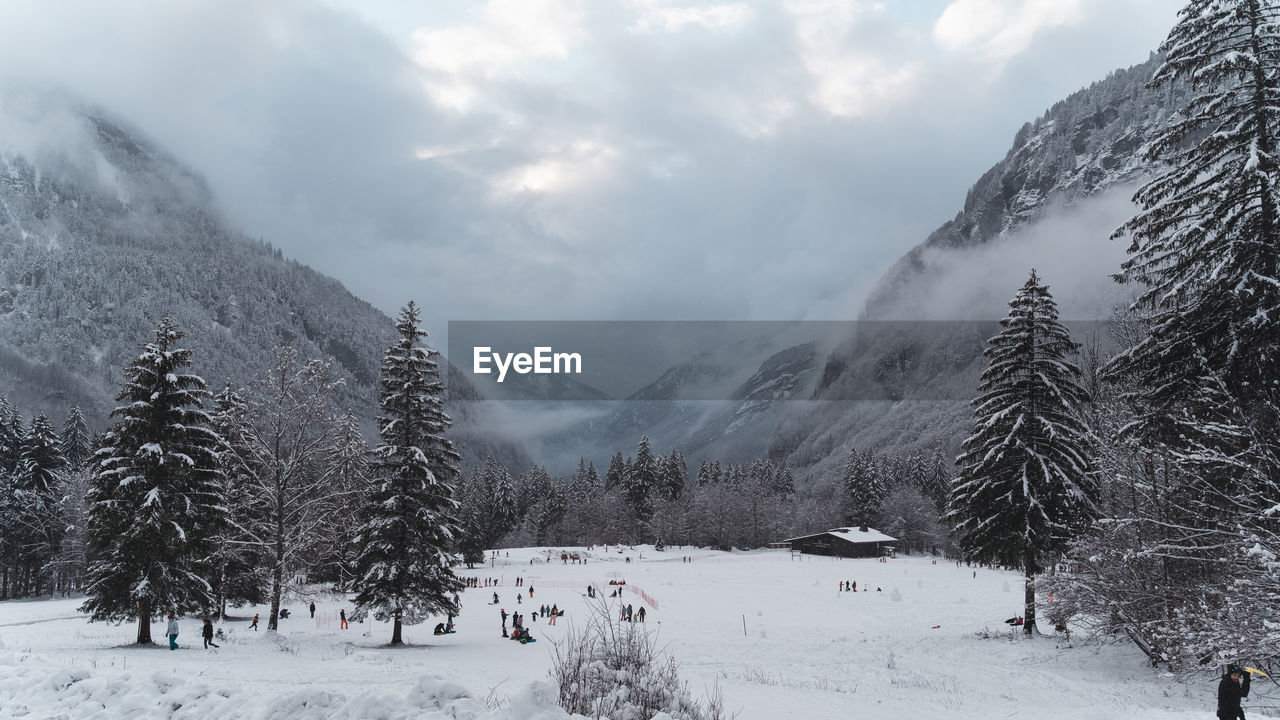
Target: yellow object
1255	671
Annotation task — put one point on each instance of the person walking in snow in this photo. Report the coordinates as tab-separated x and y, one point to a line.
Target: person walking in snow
504	621
495	598
172	632
530	592
342	619
641	614
207	633
254	625
1231	691
555	612
313	609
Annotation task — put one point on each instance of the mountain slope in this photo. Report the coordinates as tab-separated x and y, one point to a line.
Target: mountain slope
102	233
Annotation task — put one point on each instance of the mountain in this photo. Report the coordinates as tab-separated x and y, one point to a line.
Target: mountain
102	233
901	379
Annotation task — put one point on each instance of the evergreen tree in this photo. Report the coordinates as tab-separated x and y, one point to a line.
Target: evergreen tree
154	502
347	461
674	475
238	567
503	508
410	519
614	477
1024	486
863	489
471	524
10	437
1206	245
704	474
784	483
640	485
76	442
36	481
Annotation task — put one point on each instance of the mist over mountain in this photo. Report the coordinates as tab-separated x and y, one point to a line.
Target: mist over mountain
102	233
902	380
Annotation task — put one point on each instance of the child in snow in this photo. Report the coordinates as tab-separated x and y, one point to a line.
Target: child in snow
172	632
254	625
207	633
554	614
342	619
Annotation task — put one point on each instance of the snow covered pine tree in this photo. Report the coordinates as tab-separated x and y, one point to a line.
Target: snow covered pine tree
404	571
1024	485
154	500
863	488
1206	380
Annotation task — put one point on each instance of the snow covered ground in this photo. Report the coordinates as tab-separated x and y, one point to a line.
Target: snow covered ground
808	651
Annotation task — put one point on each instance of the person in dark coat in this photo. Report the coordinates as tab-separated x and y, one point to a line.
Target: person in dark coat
207	633
313	609
1230	692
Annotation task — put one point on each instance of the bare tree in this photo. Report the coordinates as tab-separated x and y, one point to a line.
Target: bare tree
289	428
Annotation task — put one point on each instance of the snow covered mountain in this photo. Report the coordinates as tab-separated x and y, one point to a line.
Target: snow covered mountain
902	383
102	233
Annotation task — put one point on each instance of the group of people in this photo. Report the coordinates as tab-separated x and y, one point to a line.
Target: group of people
628	615
847	586
206	632
518	630
475	582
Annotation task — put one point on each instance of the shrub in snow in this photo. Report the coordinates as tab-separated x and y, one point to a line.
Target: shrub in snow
616	670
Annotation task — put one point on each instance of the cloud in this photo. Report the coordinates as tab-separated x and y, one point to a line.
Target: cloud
1001	29
655	15
577	159
1071	248
500	40
841	47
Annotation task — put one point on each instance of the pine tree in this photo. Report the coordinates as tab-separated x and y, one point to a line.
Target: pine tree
347	463
640	485
1206	245
10	437
1024	486
863	490
410	520
1207	238
704	474
784	483
154	503
674	475
503	510
36	481
76	442
615	475
238	567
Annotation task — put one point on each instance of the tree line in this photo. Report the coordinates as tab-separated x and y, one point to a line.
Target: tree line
191	501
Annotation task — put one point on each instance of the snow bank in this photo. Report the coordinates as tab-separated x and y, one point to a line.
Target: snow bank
30	686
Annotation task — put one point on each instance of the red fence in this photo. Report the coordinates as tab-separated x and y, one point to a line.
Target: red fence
653	603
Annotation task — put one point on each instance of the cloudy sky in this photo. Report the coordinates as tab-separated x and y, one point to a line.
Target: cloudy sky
586	159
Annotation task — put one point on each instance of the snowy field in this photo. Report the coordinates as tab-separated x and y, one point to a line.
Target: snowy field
808	651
